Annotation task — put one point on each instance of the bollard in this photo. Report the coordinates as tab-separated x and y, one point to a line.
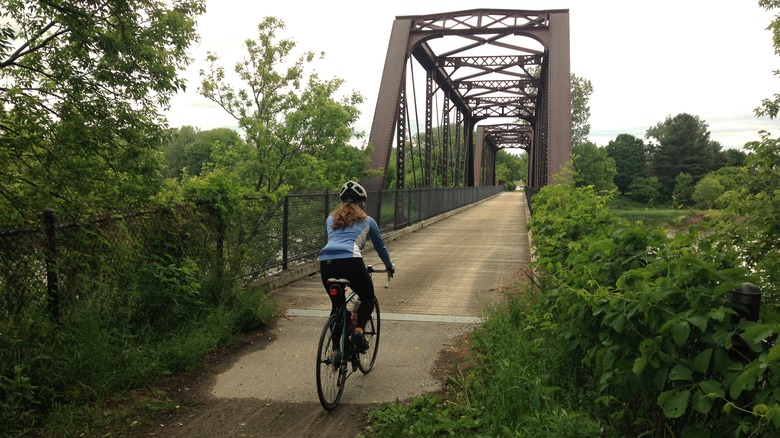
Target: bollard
747	302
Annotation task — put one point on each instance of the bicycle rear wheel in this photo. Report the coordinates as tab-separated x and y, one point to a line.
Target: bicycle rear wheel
330	373
371	333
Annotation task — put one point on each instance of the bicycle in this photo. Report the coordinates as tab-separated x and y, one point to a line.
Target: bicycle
332	363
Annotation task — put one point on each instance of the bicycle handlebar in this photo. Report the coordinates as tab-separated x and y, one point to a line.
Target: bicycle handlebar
371	269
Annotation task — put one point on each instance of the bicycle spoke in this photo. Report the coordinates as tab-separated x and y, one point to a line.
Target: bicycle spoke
330	369
371	334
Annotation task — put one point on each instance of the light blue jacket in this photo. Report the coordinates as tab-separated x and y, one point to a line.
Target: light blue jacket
349	242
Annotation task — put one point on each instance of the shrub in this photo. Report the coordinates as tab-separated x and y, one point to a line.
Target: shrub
707	192
652	319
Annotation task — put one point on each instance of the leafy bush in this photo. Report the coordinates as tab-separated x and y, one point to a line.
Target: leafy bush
683	190
140	298
652	318
707	192
645	190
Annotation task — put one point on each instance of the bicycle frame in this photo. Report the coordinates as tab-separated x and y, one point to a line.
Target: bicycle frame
332	371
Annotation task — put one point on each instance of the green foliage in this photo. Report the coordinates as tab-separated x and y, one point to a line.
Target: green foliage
511	167
519	383
141	297
645	190
629	154
668	218
750	216
83	90
593	167
734	158
770	107
298	133
651	318
581	90
707	192
730	177
422	416
683	190
189	150
682	144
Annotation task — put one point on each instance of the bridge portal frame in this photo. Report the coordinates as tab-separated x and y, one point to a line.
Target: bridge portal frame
545	115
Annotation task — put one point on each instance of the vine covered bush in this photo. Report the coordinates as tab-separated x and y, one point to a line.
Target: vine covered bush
648	317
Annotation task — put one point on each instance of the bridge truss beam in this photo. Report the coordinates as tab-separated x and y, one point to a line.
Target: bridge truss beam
502	75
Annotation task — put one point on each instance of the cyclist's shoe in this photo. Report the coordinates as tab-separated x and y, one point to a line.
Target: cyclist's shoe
335	359
359	342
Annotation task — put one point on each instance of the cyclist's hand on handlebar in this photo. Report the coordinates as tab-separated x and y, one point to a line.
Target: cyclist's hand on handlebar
391	270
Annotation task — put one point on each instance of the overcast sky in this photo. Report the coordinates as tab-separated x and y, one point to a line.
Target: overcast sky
647	60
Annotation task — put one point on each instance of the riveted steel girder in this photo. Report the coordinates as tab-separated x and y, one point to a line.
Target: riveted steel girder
507	65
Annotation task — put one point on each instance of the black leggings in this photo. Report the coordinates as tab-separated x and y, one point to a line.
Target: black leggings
354	270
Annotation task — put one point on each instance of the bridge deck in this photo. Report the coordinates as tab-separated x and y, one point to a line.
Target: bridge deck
453	267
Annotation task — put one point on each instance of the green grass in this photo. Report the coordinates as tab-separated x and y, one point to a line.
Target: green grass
84	380
517	383
660	215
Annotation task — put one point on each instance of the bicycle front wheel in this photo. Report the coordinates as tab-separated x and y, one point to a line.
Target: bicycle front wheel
330	366
371	333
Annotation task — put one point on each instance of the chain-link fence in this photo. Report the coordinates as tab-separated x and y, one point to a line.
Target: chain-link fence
60	268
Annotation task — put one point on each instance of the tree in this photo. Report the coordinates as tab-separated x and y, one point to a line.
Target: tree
189	149
83	88
733	157
629	154
683	190
511	167
770	107
707	192
581	89
682	144
645	189
299	133
731	177
592	167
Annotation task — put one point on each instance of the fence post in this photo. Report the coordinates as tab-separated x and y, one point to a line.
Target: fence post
51	263
747	302
326	208
285	231
409	219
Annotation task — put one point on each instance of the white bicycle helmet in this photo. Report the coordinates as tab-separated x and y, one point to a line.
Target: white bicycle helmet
354	191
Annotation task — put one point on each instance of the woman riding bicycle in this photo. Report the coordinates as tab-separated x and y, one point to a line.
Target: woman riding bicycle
348	229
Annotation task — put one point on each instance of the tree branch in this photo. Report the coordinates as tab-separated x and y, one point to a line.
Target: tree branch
26	49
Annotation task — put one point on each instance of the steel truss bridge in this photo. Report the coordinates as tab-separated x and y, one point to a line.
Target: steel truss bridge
459	86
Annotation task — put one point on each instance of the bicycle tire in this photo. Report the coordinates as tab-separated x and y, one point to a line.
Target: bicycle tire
371	334
330	376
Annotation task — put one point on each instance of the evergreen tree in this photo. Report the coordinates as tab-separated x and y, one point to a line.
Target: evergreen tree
682	144
629	155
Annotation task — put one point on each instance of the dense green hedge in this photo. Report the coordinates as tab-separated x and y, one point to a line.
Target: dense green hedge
651	321
652	315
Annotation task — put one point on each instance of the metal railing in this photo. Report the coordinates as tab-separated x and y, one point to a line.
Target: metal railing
56	265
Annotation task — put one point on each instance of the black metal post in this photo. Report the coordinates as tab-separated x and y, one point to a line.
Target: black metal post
326	211
285	231
52	287
747	302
